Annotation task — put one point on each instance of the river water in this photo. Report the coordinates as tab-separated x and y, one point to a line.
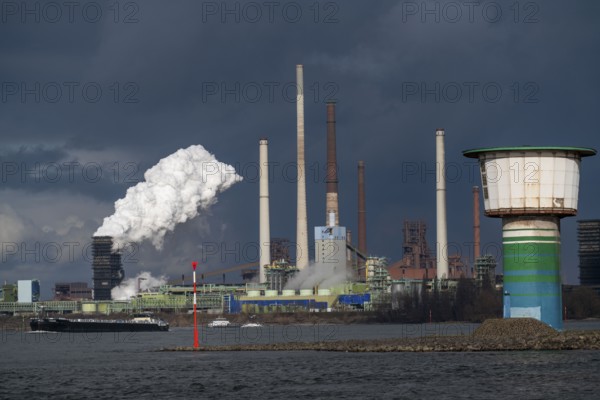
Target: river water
127	366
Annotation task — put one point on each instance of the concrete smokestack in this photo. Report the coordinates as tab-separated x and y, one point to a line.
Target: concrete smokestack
331	201
476	238
301	219
442	230
265	229
362	209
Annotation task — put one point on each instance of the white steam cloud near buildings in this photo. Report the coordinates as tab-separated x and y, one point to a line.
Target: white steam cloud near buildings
174	191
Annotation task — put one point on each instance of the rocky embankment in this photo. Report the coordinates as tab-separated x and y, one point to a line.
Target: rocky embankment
492	335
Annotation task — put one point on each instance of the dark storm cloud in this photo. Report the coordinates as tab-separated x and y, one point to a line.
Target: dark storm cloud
182	73
38	169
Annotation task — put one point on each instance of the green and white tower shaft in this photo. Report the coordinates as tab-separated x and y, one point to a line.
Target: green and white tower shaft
531	247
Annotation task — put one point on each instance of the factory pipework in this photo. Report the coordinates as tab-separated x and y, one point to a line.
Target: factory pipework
442	230
362	209
301	218
265	229
331	201
476	236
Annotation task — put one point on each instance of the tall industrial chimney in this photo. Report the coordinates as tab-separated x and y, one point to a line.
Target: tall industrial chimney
476	238
331	201
442	230
362	210
265	230
301	219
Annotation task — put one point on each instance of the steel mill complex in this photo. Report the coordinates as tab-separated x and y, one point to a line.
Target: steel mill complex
529	188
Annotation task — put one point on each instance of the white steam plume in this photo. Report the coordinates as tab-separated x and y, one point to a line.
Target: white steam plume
173	191
323	275
129	287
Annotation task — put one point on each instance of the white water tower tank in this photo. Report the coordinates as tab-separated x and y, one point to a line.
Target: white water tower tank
530	180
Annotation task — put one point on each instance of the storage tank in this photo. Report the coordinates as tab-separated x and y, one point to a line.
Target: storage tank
88	308
531	188
103	307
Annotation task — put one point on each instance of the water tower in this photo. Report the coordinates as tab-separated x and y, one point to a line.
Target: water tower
531	189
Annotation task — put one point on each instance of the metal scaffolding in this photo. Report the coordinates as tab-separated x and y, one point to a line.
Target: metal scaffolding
278	273
378	279
485	268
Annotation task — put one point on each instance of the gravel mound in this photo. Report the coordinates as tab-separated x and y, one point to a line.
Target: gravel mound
513	327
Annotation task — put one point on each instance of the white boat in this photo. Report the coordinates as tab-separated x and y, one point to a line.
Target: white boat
219	322
252	325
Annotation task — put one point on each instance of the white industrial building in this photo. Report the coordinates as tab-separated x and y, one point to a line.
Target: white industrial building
28	291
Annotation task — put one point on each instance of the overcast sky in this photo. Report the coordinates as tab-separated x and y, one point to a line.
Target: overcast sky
94	93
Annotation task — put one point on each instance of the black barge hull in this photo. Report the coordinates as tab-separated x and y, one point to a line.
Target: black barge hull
66	325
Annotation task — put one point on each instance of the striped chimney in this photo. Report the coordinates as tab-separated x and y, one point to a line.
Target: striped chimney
331	200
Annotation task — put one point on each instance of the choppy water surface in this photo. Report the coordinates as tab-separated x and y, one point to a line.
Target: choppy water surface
125	366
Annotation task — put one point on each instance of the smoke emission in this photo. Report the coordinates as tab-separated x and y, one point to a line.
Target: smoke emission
129	287
173	192
322	275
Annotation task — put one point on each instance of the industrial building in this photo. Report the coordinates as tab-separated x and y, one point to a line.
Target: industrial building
9	292
28	291
212	299
330	245
278	273
485	270
106	266
588	235
72	291
418	261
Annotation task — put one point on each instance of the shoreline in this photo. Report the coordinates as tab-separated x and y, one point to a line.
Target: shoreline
21	322
187	320
572	340
513	334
